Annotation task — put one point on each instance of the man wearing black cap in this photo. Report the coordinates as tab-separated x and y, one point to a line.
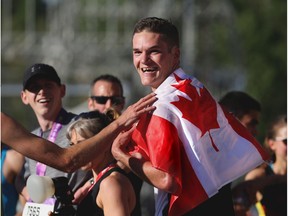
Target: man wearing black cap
43	91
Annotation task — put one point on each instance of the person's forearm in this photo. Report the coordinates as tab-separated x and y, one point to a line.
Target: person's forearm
68	160
78	155
148	173
17	137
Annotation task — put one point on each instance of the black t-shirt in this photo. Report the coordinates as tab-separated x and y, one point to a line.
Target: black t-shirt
219	204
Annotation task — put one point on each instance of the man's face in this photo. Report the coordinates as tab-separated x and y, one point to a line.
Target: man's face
279	144
106	89
153	59
44	97
251	121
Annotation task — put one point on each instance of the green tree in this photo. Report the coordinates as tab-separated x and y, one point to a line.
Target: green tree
262	26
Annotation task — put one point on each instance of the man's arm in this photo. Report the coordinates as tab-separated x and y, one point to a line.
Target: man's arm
141	166
70	159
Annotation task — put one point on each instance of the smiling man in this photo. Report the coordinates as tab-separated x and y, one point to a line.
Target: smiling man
43	92
188	148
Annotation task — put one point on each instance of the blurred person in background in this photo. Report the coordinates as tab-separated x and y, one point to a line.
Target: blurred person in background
244	107
11	166
271	198
106	91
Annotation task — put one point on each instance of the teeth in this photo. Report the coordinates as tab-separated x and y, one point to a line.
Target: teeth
43	100
149	69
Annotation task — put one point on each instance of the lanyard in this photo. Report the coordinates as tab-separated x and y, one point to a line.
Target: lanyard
41	168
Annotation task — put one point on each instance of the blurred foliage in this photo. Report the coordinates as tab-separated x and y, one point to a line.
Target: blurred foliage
263	31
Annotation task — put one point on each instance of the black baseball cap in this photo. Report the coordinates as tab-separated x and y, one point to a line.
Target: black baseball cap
40	70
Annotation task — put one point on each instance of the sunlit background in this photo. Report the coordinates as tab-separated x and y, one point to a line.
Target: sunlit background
226	44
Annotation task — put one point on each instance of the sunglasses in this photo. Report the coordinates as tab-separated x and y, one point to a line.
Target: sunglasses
282	140
116	100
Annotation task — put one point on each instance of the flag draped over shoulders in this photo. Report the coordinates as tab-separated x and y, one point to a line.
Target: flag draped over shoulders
190	137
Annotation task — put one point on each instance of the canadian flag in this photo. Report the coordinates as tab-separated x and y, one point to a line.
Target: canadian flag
190	137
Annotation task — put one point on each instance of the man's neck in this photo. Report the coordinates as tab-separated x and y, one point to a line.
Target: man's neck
46	122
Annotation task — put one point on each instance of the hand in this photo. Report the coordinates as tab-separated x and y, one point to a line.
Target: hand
120	144
133	113
50	213
137	155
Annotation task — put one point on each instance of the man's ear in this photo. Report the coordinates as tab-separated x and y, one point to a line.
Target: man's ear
63	90
24	97
271	144
90	104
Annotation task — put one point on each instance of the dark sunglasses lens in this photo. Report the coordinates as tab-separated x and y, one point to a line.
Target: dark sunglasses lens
103	100
100	99
285	141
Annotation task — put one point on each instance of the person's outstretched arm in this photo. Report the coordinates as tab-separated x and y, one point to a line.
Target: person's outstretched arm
72	158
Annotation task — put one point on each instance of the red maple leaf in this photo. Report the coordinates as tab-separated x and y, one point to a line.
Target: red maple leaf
201	110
